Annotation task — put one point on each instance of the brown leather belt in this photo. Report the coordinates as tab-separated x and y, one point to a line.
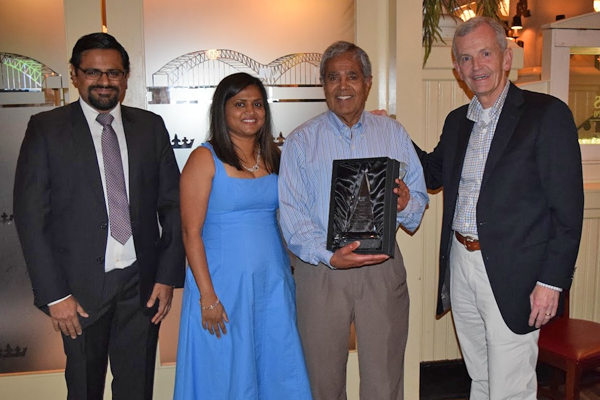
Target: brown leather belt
469	243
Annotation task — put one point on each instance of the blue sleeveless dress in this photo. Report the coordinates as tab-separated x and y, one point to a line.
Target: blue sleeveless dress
260	357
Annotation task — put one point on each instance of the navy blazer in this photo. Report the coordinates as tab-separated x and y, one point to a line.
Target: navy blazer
61	215
530	207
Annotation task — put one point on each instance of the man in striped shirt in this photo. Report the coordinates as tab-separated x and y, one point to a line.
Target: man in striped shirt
337	288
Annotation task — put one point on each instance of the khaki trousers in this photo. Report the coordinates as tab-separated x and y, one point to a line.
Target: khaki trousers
500	362
376	299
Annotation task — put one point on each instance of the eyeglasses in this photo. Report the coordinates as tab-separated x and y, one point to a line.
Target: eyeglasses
95	74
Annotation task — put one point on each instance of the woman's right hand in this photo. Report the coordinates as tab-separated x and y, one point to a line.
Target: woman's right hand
214	320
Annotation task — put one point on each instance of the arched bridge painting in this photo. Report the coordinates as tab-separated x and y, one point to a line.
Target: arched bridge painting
182	90
206	68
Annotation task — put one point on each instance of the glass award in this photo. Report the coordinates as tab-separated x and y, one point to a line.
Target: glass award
360	224
363	204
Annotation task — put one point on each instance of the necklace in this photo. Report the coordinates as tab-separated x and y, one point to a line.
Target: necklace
255	167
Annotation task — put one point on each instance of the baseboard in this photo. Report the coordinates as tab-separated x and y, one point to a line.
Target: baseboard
449	380
444	380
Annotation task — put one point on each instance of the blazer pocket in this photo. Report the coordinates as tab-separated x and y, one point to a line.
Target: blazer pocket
534	251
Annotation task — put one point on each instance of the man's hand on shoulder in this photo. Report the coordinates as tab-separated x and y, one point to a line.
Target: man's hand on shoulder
164	295
64	316
403	195
381	113
345	257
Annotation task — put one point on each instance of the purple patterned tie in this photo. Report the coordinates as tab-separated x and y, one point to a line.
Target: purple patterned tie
118	205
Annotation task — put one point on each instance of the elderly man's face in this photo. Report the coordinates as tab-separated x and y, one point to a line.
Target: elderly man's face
482	64
346	88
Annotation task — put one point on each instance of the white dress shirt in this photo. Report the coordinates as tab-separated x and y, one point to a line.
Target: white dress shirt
117	256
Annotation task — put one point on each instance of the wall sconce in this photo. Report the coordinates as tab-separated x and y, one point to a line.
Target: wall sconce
597	5
516	23
515	27
522	11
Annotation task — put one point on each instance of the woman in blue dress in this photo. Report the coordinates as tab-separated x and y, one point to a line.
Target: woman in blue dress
238	338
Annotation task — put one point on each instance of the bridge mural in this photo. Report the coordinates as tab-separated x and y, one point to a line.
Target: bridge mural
28	82
27	340
206	68
181	91
23	73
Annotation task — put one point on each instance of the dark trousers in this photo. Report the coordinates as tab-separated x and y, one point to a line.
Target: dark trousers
121	331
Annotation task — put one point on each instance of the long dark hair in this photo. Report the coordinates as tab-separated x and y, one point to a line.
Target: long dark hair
219	132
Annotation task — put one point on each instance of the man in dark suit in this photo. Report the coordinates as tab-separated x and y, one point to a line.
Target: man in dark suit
94	180
510	166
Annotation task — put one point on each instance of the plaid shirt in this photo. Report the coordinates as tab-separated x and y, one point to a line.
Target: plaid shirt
465	213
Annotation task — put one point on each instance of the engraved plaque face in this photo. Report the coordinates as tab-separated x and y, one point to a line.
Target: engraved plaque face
362	206
360	225
361	211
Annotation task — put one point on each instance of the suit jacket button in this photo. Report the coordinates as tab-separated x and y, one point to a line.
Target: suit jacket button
100	260
103	225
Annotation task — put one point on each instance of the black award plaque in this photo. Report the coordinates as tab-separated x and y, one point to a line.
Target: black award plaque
363	205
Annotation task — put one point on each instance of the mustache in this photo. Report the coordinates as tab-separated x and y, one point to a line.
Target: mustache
115	88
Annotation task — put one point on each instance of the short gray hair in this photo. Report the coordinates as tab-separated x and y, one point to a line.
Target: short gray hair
476	22
341	47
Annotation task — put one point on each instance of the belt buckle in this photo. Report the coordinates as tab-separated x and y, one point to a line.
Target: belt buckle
468	241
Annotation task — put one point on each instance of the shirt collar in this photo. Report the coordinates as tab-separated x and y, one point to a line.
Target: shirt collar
475	107
91	113
340	128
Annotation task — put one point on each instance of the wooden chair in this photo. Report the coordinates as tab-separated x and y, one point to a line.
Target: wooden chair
570	345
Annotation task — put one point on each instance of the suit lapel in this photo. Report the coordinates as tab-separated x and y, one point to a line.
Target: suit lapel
84	147
507	123
134	146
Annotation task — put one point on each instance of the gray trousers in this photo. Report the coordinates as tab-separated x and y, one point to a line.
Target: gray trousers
376	299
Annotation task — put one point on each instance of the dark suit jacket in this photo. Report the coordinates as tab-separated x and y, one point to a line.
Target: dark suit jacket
530	208
61	215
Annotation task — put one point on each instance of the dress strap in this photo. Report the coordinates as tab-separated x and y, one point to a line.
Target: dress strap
219	167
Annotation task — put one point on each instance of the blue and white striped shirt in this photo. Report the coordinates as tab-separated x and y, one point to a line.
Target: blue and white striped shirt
305	176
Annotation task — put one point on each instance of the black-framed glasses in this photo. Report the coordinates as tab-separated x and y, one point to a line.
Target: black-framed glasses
95	74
